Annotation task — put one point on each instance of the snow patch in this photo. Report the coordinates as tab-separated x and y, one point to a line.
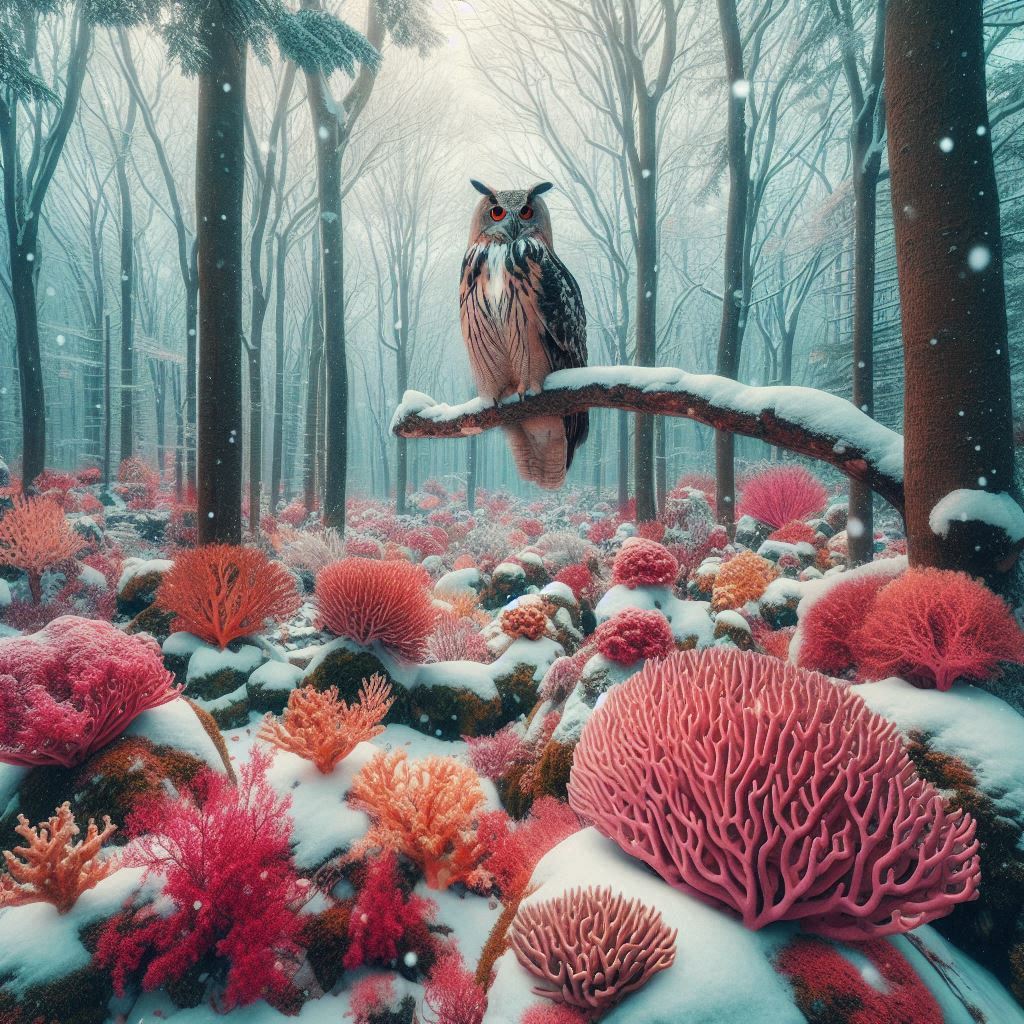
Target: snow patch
994	508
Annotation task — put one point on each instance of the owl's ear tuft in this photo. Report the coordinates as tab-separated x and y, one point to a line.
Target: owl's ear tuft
539	189
482	188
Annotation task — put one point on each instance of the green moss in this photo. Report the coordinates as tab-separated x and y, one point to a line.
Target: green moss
346	669
553	770
513	798
152	620
518	692
138	593
325	938
449	712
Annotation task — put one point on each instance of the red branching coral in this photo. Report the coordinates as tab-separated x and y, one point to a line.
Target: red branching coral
494	756
828	629
634	634
221	592
590	948
426	810
601	531
387	601
371	999
456	638
933	626
34	537
363	547
774	642
834	988
224	854
319	727
383	917
644	563
524	620
426	540
451	993
578	578
846	837
53	868
71	688
563	675
780	494
741	579
795	532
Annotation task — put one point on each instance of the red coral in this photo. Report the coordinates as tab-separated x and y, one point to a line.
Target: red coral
795	532
293	514
73	687
221	592
524	620
387	601
601	531
452	994
774	642
496	755
578	578
224	854
846	837
779	495
644	563
652	530
427	540
831	985
933	626
34	537
828	628
634	634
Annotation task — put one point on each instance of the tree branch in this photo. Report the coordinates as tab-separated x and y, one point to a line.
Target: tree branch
802	420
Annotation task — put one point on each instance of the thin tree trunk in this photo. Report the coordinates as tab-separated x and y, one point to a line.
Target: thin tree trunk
127	391
313	376
957	402
220	175
277	443
107	400
191	365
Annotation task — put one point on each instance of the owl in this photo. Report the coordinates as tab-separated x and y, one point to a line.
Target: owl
522	317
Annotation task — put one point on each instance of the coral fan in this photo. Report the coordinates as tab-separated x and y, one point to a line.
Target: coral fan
319	727
71	688
933	626
644	563
780	494
229	884
524	620
590	948
634	634
34	537
54	868
367	600
221	592
425	810
847	839
741	579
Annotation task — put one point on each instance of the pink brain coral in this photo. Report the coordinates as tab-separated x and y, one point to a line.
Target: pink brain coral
644	563
769	791
590	948
634	634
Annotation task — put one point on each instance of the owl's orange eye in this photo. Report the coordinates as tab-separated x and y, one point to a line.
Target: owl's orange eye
497	213
526	213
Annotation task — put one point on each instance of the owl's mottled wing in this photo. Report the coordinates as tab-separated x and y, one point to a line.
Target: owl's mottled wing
553	307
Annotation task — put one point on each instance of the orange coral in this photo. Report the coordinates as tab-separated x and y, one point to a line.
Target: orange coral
34	535
526	620
53	868
741	579
324	730
426	810
221	592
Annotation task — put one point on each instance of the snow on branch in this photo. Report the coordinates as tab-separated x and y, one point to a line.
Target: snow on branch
801	420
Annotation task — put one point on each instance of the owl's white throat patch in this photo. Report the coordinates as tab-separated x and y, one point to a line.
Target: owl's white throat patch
496	254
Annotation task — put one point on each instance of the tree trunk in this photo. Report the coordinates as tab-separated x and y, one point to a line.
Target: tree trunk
127	390
220	175
179	436
30	369
258	312
728	361
107	399
191	365
957	404
313	377
471	471
277	443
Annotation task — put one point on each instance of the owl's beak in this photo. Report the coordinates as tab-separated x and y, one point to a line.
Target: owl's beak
515	228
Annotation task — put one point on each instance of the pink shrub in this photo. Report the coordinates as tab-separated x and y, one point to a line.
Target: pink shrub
224	854
644	563
578	578
828	628
780	494
451	993
634	634
494	756
846	837
457	639
553	1013
563	675
387	601
933	626
73	687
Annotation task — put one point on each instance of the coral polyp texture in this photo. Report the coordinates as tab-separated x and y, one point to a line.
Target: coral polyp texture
591	947
318	726
634	634
221	592
741	579
384	601
773	793
780	494
73	687
644	563
525	620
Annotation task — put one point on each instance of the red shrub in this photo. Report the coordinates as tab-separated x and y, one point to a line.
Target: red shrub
780	494
224	854
634	634
602	530
293	514
452	994
221	592
426	541
363	547
932	627
90	476
578	578
387	601
533	528
796	532
72	688
644	563
553	1013
828	629
652	530
34	537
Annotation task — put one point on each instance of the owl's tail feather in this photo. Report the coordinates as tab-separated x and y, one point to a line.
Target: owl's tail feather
538	447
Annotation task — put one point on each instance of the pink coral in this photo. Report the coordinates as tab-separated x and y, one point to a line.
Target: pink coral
644	563
933	626
456	638
524	620
74	686
496	755
590	948
780	494
387	601
820	816
634	634
452	994
34	537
